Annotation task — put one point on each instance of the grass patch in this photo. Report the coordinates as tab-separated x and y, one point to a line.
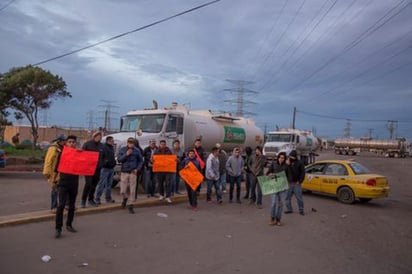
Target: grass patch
12	151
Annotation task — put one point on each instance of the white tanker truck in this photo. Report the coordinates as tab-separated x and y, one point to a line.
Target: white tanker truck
287	139
178	122
389	148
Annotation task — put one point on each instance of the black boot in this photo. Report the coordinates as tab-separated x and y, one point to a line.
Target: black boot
131	210
124	203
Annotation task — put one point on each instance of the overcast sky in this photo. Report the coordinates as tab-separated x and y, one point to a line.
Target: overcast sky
332	60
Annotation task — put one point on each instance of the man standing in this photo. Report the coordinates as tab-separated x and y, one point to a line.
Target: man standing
258	164
50	167
132	163
199	153
295	172
149	176
91	181
176	150
67	186
107	172
222	167
164	178
212	176
234	167
191	194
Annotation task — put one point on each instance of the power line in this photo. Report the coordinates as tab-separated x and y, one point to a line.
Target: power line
6	5
128	32
356	41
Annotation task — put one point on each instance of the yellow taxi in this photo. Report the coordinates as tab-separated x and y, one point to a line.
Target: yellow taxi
346	179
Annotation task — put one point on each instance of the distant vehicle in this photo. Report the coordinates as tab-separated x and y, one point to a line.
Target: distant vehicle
287	139
345	179
2	159
389	148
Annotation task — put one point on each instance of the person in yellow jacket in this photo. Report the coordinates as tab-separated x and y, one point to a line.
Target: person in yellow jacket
50	167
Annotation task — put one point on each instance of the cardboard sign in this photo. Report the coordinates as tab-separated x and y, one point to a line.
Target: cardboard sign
191	175
164	163
273	184
78	162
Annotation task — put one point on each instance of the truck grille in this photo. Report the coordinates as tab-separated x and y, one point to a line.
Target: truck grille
271	149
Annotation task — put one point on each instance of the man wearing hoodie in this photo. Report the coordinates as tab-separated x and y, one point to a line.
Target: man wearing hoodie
107	172
234	167
91	181
295	172
212	176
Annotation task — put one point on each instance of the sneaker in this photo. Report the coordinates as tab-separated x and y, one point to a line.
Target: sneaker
71	229
168	200
92	203
110	201
58	233
131	210
288	212
224	191
272	221
220	202
124	203
161	198
98	203
302	213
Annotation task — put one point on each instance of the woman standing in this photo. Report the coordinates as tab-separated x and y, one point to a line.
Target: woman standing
278	199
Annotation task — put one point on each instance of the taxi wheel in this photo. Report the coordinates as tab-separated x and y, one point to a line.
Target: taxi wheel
345	195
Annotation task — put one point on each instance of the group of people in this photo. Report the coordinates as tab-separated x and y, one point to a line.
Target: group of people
218	169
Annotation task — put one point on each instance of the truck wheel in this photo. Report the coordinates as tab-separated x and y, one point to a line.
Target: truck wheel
364	200
346	195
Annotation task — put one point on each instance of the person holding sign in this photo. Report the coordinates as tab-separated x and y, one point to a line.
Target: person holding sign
278	199
191	193
164	178
132	161
295	172
67	188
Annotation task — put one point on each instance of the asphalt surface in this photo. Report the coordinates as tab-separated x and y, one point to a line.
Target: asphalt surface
231	238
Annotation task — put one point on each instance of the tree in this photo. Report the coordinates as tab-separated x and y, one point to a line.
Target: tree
29	89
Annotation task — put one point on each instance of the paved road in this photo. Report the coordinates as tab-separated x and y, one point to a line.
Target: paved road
337	238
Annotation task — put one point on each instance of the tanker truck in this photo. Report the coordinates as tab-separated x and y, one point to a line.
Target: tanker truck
177	122
287	139
389	148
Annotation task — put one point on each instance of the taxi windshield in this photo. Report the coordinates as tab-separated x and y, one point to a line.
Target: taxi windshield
359	169
151	123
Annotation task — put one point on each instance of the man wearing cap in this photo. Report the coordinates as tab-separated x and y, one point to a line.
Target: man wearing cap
149	176
295	172
91	181
131	159
50	167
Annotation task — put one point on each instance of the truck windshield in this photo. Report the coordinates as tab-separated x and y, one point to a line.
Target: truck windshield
152	123
286	138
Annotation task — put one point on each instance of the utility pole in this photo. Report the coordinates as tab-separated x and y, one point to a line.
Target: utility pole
293	117
240	91
108	113
370	130
90	120
346	131
392	125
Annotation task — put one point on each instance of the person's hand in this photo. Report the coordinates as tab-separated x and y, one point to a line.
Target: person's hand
129	152
54	185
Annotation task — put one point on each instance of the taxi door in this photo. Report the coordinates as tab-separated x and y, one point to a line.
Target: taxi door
335	175
313	177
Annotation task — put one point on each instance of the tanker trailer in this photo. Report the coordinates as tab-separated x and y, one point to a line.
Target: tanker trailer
388	148
286	140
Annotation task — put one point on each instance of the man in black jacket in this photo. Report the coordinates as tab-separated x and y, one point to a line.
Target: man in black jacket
295	172
67	188
107	171
91	181
149	177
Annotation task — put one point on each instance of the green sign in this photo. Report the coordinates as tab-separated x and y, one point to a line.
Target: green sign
235	135
273	184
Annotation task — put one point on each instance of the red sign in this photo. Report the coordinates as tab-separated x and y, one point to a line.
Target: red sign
78	162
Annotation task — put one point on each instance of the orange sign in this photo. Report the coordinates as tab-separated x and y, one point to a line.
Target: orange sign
78	162
191	175
164	163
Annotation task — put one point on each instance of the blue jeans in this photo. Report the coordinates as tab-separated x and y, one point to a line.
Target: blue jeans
223	180
175	180
150	181
105	183
210	185
253	184
294	189
54	198
278	200
232	181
